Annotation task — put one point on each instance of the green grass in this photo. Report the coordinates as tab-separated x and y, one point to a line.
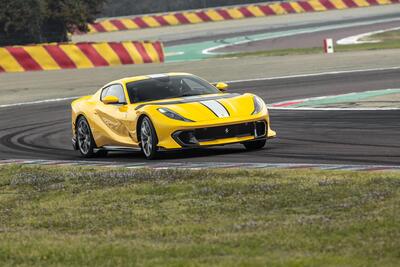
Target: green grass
141	217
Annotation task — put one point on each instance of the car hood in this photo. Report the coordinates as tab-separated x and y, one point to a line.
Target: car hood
208	107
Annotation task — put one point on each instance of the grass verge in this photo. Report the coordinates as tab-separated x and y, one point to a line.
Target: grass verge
88	217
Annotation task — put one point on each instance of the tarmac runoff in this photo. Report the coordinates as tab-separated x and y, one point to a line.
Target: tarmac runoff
362	38
207	49
388	99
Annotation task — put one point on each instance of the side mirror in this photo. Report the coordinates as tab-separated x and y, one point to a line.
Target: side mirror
221	86
110	99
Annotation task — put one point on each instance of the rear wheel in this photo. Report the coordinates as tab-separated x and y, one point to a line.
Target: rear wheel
86	144
254	145
148	139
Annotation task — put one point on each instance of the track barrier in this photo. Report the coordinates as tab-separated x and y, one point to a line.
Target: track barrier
229	13
78	55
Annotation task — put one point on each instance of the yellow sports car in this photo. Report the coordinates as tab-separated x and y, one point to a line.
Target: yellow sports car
166	112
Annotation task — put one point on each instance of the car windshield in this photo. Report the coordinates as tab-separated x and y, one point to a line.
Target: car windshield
164	87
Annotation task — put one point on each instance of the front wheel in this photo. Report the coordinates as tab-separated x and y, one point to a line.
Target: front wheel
86	144
148	139
254	145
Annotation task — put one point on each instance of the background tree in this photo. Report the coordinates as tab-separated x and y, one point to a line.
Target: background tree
39	21
20	21
67	16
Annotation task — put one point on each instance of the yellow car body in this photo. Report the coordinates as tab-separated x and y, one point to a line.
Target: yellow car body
117	125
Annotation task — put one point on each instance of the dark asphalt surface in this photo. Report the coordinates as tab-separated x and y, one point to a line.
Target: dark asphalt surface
307	40
42	131
303	37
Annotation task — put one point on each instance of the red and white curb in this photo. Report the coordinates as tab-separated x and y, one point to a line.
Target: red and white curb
202	165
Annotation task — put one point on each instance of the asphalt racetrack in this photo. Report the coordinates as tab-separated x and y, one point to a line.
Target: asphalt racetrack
42	131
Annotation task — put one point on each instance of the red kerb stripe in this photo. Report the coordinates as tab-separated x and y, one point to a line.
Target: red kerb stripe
350	3
118	24
285	104
306	6
142	52
288	7
92	54
60	56
267	10
23	58
327	4
161	20
99	27
246	12
224	14
203	16
182	19
372	2
140	22
123	55
159	49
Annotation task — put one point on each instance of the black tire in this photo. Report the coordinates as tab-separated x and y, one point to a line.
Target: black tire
254	145
84	138
148	139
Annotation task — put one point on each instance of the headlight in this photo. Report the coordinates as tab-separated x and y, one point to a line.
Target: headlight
258	105
173	115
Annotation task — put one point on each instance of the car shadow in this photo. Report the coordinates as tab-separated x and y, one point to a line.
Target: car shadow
180	154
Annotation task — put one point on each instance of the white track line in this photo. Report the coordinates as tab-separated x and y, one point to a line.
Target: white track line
39	102
233	81
355	39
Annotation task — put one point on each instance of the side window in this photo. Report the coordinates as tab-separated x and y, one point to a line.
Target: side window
104	93
114	90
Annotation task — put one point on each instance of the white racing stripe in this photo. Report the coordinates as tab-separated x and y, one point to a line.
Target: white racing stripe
217	108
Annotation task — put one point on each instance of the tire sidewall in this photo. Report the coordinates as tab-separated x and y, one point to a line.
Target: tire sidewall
154	139
90	153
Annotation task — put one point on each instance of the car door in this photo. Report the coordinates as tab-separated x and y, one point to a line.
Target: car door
115	116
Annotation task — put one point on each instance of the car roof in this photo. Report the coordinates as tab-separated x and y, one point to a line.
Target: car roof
145	77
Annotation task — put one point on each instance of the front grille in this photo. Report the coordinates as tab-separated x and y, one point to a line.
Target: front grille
192	137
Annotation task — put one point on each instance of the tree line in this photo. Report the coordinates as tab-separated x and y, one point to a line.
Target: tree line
44	21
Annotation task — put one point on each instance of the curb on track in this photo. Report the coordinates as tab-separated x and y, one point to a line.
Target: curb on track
229	13
199	166
56	56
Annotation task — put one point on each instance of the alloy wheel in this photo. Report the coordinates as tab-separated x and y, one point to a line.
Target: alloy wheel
84	137
146	138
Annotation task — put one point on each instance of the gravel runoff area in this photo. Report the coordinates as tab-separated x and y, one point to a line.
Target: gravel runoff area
34	86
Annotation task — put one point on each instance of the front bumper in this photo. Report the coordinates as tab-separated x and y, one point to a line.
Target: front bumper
204	136
222	132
